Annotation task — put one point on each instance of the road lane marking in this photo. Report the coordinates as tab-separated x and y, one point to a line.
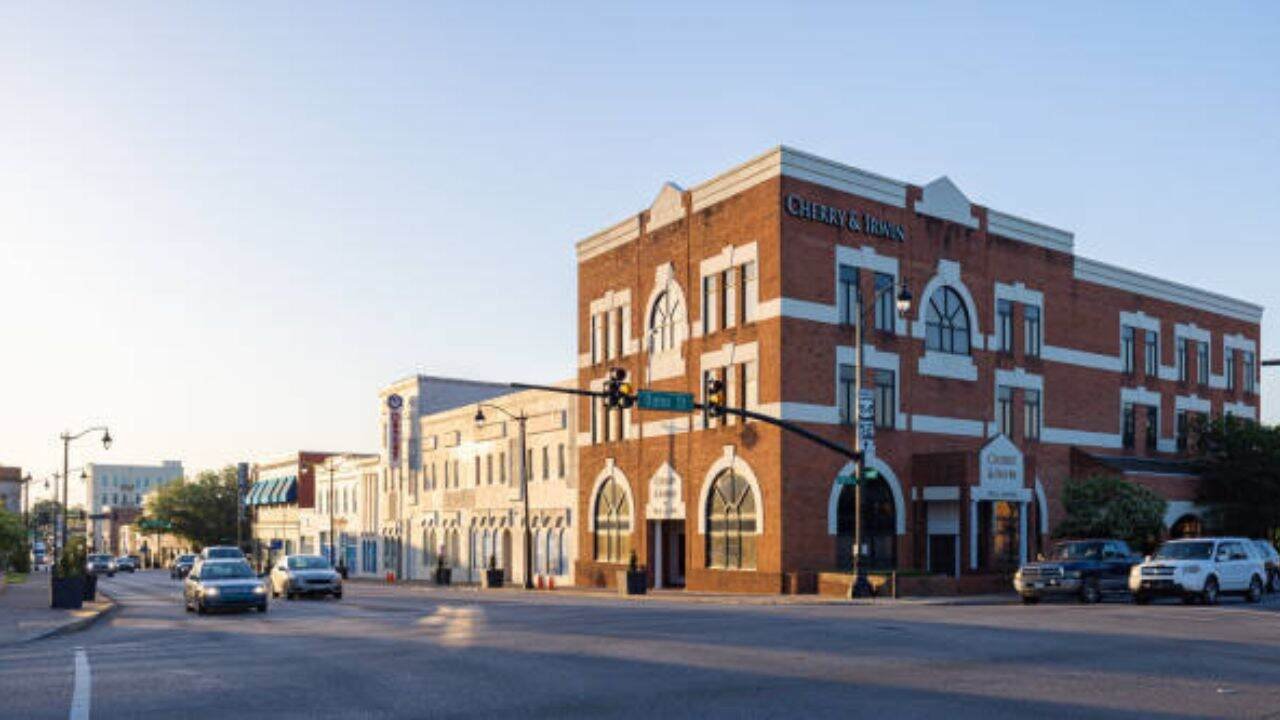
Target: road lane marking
80	698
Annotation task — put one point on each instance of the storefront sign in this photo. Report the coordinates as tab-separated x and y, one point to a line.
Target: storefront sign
666	496
852	220
394	404
1000	467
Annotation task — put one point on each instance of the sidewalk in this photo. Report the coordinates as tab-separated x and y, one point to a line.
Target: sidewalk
25	614
687	596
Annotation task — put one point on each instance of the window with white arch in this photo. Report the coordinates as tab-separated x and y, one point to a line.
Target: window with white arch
946	323
612	522
731	523
664	317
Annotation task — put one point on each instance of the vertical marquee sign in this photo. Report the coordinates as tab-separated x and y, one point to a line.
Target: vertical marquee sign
394	405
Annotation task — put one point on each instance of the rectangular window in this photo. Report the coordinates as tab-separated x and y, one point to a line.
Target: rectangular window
457	475
1126	349
1184	372
618	333
728	282
885	412
1202	363
847	294
1229	368
502	468
1153	427
528	464
750	292
477	473
594	340
1182	430
751	384
709	305
1004	326
488	469
1031	330
1249	368
885	302
546	462
1031	414
1004	410
560	460
1151	353
1127	431
847	402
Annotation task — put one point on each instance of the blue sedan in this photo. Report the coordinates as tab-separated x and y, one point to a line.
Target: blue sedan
223	584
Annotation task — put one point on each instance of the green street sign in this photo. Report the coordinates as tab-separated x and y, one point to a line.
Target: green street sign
846	479
155	525
871	473
668	401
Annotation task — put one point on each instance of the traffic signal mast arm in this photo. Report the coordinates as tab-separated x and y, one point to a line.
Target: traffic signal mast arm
721	410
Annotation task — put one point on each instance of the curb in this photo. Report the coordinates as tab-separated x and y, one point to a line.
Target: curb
76	625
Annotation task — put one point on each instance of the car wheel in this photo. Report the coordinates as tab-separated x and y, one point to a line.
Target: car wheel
1209	596
1274	583
111	574
200	609
1189	599
1091	593
262	608
1030	599
1255	590
1141	599
337	595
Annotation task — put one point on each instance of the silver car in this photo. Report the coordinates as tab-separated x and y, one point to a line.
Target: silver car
294	575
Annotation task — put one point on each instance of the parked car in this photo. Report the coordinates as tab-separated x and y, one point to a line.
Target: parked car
1200	569
223	584
294	575
222	552
100	564
125	563
1270	558
181	566
1085	569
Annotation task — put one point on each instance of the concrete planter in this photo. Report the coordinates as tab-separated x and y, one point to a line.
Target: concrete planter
66	593
632	582
444	575
493	578
90	588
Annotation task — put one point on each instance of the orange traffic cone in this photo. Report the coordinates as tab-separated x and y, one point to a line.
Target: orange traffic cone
540	585
551	582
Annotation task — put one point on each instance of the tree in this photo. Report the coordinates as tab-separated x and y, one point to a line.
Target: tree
1239	466
202	510
44	512
1105	506
13	543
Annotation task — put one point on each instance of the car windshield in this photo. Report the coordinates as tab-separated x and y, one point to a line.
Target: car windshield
1077	551
314	562
223	571
186	558
1185	551
224	553
99	557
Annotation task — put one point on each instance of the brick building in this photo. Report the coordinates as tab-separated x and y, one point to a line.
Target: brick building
1018	365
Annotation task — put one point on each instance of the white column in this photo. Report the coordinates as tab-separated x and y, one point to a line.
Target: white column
657	555
973	534
1022	533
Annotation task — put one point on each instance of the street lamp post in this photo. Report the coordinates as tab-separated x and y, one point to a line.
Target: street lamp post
66	438
333	553
524	484
861	586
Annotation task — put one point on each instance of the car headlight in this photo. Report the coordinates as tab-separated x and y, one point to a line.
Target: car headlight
1074	574
259	590
210	591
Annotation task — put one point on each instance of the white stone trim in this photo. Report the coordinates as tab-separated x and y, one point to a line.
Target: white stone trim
1080	358
611	469
1138	396
1141	284
729	256
798	310
609	238
1043	504
890	478
1139	320
948	426
947	365
1236	341
1065	436
1240	410
667	207
661	475
1192	403
737	179
729	354
943	200
730	460
941	493
1191	331
1019	293
667	363
1016	228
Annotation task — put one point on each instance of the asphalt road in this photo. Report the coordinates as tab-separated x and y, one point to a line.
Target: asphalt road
415	653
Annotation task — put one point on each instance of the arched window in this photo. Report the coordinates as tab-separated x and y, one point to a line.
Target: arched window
664	318
879	528
731	523
613	523
539	556
947	323
553	552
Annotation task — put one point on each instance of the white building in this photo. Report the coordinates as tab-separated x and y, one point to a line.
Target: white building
117	487
348	484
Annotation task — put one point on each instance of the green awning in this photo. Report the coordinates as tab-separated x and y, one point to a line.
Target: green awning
251	497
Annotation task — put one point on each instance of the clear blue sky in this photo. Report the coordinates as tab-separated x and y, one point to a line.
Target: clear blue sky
224	226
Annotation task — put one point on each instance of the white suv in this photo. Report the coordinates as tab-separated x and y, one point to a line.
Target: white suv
1200	568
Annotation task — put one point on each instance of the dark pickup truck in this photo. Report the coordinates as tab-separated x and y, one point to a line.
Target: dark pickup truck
1085	569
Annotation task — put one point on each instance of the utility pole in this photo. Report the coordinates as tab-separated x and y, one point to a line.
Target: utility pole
520	420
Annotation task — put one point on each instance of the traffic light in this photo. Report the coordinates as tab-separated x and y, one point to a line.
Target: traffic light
714	397
618	393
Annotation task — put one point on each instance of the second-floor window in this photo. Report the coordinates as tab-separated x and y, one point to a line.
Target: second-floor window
1153	427
1184	372
1229	368
847	295
847	401
1151	353
1004	326
884	384
1031	414
886	302
1127	429
1031	330
1249	368
947	323
1004	410
1126	349
1202	363
1182	430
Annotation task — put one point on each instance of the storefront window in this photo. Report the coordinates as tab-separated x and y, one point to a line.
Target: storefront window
731	523
613	523
879	528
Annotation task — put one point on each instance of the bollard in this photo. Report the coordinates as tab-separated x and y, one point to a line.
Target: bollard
551	582
391	576
540	585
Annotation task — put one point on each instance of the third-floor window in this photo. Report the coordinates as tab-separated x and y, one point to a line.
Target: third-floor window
1126	349
1249	368
1229	368
885	302
1202	363
1151	353
1004	326
1031	330
848	297
1184	371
